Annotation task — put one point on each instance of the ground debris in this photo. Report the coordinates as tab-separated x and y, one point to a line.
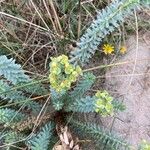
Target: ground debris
67	141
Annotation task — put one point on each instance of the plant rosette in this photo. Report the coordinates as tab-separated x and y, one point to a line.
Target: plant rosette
62	73
103	104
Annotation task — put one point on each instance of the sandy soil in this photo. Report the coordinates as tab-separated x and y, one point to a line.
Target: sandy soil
131	83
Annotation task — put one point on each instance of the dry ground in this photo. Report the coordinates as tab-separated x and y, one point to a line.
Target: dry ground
131	81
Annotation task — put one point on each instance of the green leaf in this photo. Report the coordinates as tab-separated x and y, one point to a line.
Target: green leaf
57	99
41	140
12	71
100	135
83	105
8	116
118	105
83	86
17	97
10	137
107	21
30	87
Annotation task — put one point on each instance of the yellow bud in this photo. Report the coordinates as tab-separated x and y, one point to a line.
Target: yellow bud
123	50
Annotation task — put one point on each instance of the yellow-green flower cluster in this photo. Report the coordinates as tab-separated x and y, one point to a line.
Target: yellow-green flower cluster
103	103
62	73
145	145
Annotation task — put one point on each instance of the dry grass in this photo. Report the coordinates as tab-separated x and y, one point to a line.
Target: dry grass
33	31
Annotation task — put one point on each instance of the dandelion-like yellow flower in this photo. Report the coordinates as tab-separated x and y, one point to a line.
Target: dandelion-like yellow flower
108	49
62	73
123	49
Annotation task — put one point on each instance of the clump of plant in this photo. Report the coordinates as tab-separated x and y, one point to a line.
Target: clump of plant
21	113
65	101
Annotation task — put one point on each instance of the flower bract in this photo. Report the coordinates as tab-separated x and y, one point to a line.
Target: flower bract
103	104
62	73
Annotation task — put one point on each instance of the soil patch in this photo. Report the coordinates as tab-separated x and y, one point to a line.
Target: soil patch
130	82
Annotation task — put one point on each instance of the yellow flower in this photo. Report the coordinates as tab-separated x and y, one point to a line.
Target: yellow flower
73	76
58	59
52	78
108	49
64	59
54	64
56	71
62	85
103	104
69	69
100	104
62	73
123	49
67	84
109	108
